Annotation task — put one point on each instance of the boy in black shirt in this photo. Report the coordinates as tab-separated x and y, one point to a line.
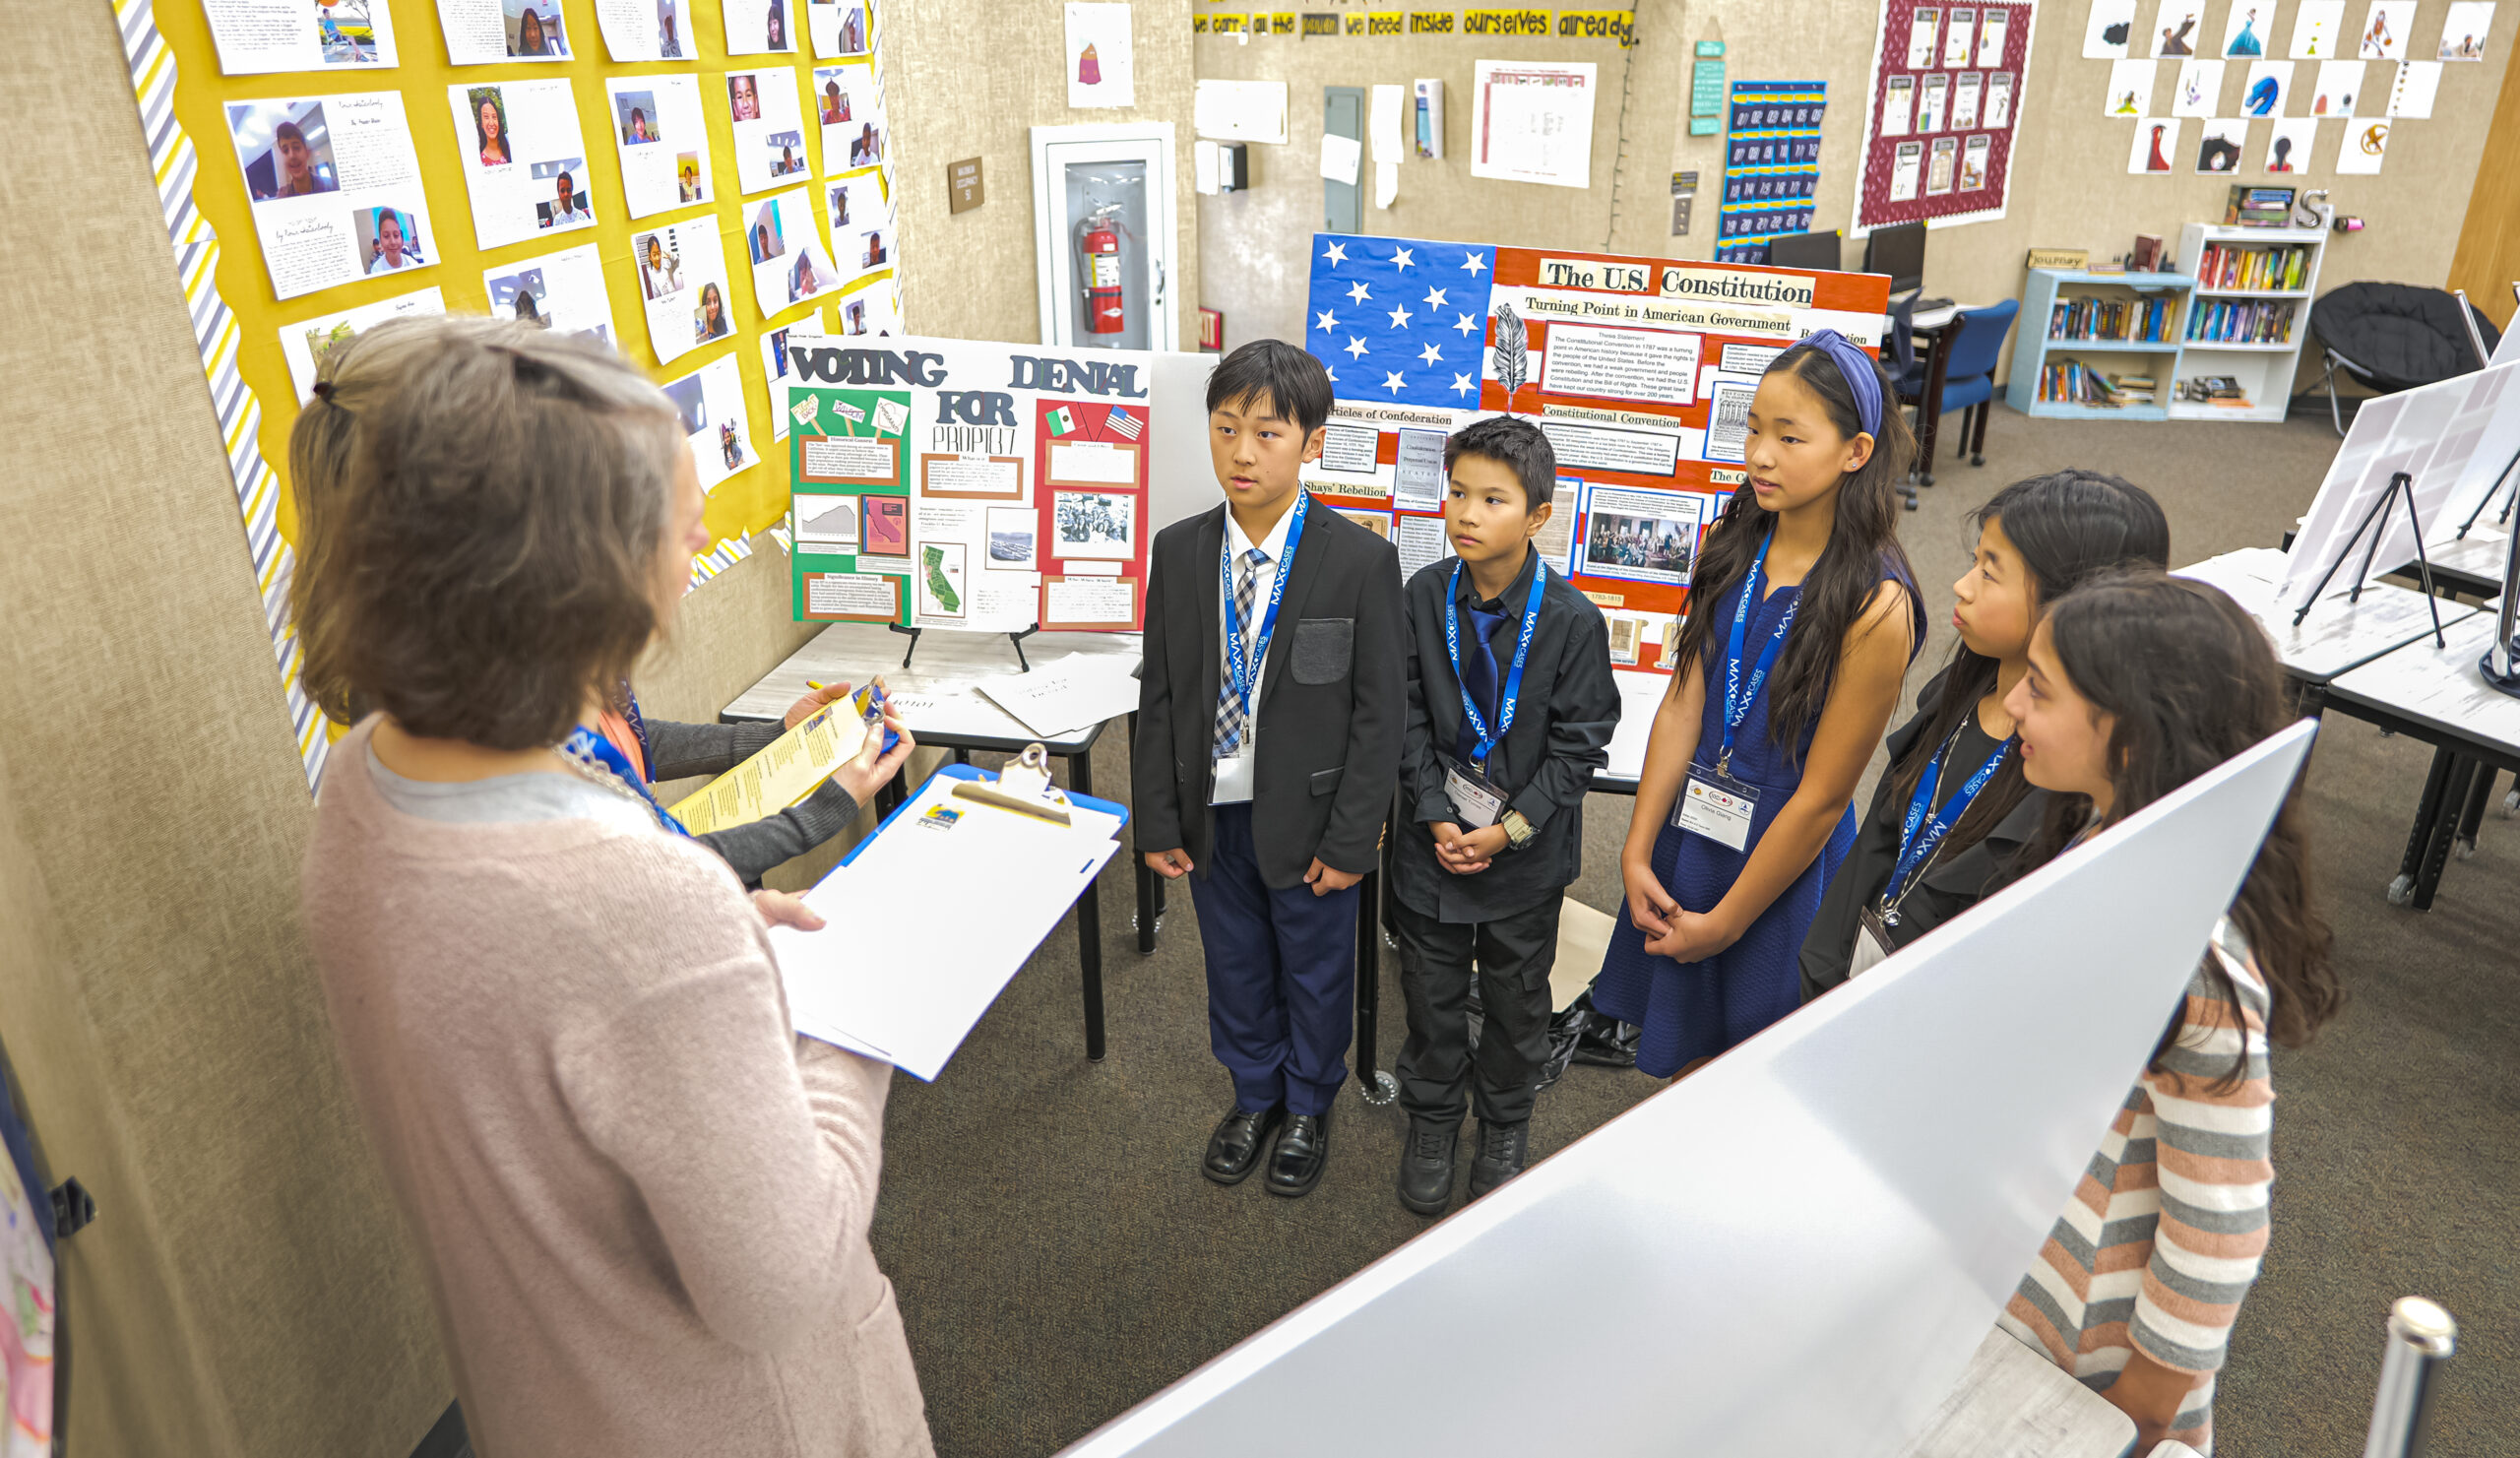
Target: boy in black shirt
1511	705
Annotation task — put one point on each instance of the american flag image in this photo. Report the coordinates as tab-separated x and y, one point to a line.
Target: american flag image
1122	424
1399	320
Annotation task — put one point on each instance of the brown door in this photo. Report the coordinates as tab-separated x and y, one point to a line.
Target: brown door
2488	256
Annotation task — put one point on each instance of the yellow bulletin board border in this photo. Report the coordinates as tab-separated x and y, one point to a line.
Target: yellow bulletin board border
179	88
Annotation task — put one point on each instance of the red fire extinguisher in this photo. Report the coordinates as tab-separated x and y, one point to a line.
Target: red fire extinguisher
1098	253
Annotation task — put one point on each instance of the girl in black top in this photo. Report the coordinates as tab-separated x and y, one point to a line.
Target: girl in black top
2036	539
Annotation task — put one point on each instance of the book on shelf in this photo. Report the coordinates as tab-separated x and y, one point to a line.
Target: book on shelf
2258	207
2112	320
2257	269
2072	382
2147	255
2240	322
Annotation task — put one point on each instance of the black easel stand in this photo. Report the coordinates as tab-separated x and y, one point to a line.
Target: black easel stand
2487	499
1016	639
2400	484
2500	665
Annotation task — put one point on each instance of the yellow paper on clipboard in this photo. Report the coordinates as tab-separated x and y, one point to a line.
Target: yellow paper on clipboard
786	771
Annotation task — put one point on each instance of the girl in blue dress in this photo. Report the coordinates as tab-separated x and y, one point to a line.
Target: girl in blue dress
1803	617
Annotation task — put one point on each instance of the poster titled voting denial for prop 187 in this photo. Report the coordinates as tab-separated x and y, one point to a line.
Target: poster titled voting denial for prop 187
944	484
1639	370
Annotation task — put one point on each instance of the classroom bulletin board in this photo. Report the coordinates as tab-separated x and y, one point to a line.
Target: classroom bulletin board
1639	371
248	326
1947	85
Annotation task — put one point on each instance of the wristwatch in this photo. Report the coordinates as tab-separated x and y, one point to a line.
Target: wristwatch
1518	831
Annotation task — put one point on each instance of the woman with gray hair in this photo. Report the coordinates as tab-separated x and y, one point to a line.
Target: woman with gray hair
642	1199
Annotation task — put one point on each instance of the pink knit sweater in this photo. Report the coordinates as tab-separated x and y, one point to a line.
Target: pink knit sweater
640	1198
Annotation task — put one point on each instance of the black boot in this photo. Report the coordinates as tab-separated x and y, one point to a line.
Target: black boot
1426	1166
1502	1150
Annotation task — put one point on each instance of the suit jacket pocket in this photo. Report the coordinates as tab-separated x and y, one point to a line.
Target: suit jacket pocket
1326	781
1323	649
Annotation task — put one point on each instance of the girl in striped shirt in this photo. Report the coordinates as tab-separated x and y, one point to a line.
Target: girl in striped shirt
2138	683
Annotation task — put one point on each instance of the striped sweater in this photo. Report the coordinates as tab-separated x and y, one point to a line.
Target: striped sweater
2163	1237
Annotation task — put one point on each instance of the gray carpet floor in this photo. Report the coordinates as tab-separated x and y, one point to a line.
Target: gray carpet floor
1059	1257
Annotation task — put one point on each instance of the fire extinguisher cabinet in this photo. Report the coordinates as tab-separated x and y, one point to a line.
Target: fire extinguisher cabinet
1104	235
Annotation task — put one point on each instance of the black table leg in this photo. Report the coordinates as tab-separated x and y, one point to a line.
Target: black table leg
2428	807
1937	371
2446	822
2473	817
1150	885
1089	921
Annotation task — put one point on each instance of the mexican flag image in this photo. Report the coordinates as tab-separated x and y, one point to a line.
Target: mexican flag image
1063	421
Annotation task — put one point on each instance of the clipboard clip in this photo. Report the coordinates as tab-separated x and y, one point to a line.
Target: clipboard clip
1023	786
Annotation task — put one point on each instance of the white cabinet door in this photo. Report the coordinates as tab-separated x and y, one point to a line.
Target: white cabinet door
1104	211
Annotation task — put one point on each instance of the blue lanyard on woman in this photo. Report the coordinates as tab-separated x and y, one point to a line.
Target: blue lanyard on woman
1737	697
1487	743
1915	849
1240	666
601	760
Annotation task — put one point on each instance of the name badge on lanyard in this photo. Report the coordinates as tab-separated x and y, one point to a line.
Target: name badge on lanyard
1242	669
1713	804
1920	841
1479	798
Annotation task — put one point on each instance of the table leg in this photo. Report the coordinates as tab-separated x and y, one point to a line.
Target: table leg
2446	822
2474	816
2428	807
1150	885
1089	922
1937	369
1369	979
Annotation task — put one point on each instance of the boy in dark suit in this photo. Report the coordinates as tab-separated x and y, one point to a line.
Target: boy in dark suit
1268	725
1511	705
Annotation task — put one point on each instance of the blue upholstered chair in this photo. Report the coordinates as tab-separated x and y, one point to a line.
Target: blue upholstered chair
1976	338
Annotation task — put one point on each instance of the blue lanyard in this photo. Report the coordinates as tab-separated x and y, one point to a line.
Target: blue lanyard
1242	669
1487	743
585	746
1916	849
1737	697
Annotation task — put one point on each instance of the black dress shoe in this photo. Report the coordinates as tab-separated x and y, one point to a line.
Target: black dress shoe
1234	1151
1502	1151
1426	1166
1303	1150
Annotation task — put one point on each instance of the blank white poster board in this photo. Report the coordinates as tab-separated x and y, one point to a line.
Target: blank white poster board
1181	478
2441	435
1810	1237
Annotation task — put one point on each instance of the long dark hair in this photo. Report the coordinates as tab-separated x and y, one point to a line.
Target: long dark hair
2190	680
1864	543
2068	528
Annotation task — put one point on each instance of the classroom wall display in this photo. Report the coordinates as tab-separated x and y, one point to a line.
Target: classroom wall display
661	138
644	29
791	264
317	232
840	27
1771	164
1101	57
2463	30
1639	370
2316	25
525	162
1532	121
255	38
710	403
758	28
1951	162
950	484
485	33
770	128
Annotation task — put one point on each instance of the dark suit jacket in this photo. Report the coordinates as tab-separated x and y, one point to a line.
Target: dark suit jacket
1331	699
1561	733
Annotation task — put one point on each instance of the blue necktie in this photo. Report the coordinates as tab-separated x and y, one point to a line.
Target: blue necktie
1479	675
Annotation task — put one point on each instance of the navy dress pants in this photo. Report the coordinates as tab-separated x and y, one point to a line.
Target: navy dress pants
1282	975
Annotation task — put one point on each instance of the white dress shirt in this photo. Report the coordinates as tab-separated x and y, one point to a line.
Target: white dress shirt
1233	776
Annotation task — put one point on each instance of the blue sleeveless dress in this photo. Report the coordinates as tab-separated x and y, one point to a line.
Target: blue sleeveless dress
1691	1010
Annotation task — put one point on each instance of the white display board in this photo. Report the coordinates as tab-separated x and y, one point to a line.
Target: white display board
2437	434
1182	476
1807	1238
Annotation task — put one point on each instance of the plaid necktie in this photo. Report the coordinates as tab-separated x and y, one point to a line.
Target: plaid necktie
1232	714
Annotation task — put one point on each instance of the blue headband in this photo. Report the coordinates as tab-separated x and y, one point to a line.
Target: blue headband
1861	376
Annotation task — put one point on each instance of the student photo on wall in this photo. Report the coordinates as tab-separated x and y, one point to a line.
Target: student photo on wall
744	96
787	153
708	321
835	103
775	26
804	280
568	207
852	30
391	241
687	175
660	271
868	149
490	126
839	206
638	113
669	29
284	156
765	238
535	31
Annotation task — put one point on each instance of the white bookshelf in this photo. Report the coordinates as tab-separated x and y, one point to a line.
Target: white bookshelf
2264	369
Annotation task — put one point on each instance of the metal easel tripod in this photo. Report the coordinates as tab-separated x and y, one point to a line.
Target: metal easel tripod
2401	484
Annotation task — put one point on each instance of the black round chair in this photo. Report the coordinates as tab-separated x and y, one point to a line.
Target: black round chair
2392	337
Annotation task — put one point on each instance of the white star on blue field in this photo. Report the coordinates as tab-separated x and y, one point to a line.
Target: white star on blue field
1400	319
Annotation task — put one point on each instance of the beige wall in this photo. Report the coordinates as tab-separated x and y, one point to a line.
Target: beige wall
2070	188
966	80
